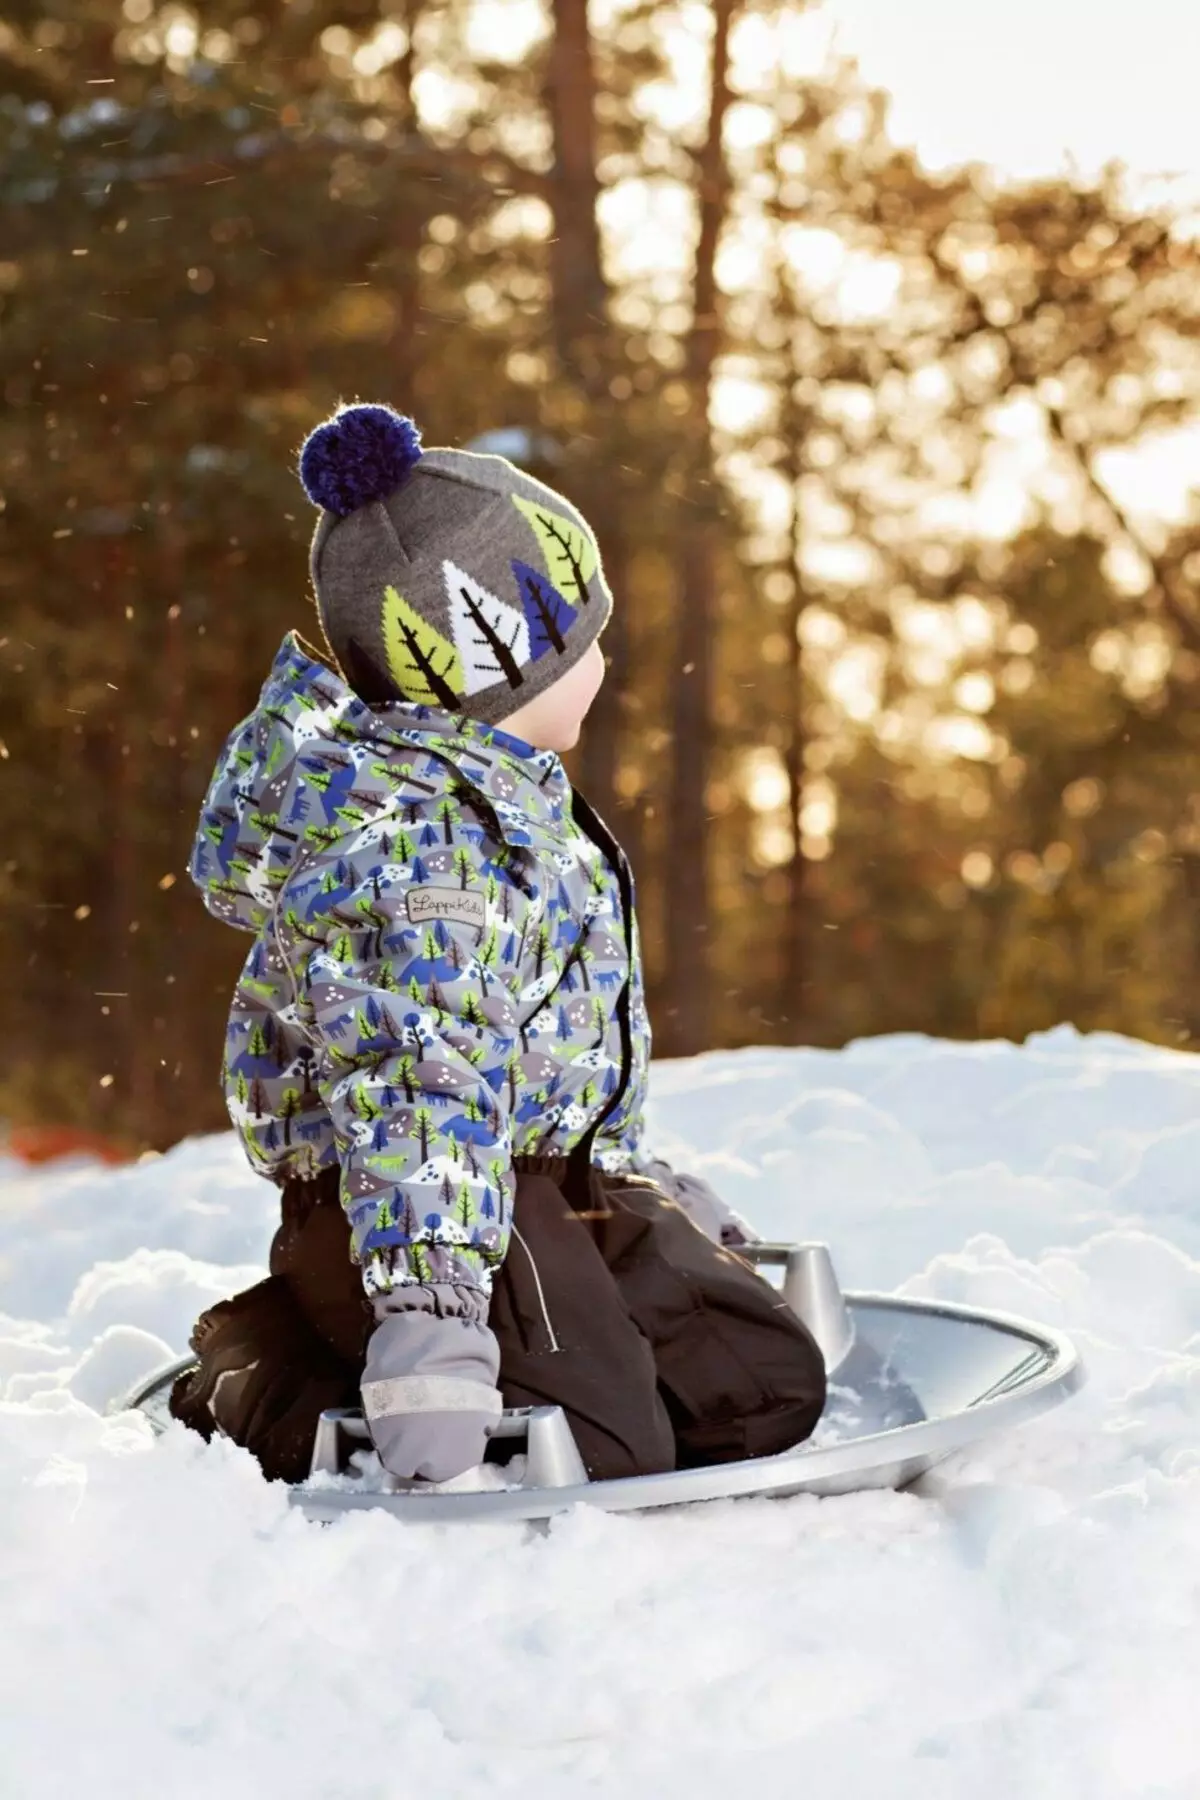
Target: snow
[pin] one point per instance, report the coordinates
(1026, 1623)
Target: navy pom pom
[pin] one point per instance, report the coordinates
(362, 454)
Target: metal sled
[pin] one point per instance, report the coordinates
(910, 1382)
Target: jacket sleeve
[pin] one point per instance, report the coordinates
(414, 1003)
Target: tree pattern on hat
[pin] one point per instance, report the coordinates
(424, 666)
(492, 638)
(547, 614)
(570, 553)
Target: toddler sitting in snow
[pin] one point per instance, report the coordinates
(438, 1045)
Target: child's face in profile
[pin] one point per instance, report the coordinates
(554, 719)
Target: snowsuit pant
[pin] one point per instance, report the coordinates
(664, 1350)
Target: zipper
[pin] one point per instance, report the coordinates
(586, 816)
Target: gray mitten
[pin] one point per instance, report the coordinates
(703, 1205)
(429, 1386)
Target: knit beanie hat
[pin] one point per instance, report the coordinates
(443, 577)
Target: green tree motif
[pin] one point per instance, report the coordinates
(424, 665)
(289, 1106)
(368, 1108)
(406, 1066)
(423, 1122)
(464, 866)
(486, 956)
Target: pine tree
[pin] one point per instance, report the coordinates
(289, 1106)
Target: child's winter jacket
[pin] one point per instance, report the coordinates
(445, 974)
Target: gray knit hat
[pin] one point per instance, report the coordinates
(443, 577)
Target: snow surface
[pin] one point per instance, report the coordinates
(1027, 1624)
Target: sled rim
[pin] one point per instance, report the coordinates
(1050, 1372)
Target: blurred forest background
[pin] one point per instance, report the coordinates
(904, 707)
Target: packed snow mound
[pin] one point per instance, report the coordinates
(1025, 1624)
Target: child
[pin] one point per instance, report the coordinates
(438, 1045)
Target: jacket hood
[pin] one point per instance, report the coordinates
(313, 763)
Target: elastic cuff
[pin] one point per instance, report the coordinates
(400, 1394)
(437, 1300)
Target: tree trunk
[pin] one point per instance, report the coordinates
(796, 937)
(1188, 1006)
(404, 348)
(686, 1013)
(580, 294)
(581, 336)
(795, 421)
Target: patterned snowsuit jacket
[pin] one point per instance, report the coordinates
(444, 972)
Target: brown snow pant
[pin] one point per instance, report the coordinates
(664, 1350)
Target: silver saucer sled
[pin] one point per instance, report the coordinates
(910, 1382)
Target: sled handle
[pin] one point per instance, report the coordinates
(552, 1458)
(811, 1289)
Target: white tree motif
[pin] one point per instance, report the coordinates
(491, 637)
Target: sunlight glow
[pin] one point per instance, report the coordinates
(440, 97)
(387, 45)
(818, 814)
(504, 31)
(740, 404)
(180, 37)
(957, 735)
(856, 679)
(1029, 85)
(763, 779)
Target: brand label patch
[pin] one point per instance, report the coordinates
(425, 904)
